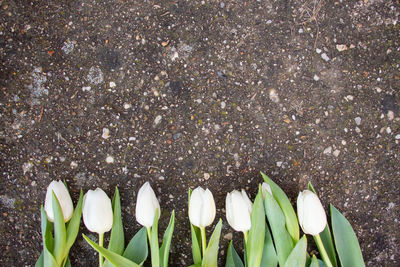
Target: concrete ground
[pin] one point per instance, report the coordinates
(200, 93)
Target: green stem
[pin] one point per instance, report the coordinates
(245, 234)
(148, 229)
(322, 250)
(203, 240)
(101, 239)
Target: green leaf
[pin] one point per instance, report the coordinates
(298, 255)
(196, 240)
(117, 243)
(282, 239)
(112, 257)
(321, 263)
(67, 263)
(345, 240)
(326, 237)
(255, 241)
(154, 248)
(60, 233)
(210, 257)
(196, 246)
(166, 244)
(232, 258)
(48, 242)
(314, 262)
(40, 261)
(73, 225)
(269, 258)
(292, 224)
(137, 250)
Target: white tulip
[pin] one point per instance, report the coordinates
(201, 207)
(63, 197)
(265, 188)
(238, 210)
(311, 213)
(146, 205)
(97, 211)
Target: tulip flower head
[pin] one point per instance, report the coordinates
(146, 205)
(97, 211)
(265, 188)
(311, 213)
(238, 210)
(201, 207)
(63, 197)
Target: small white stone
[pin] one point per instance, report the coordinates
(106, 133)
(206, 176)
(390, 115)
(223, 104)
(26, 167)
(397, 136)
(73, 164)
(357, 120)
(317, 121)
(318, 50)
(349, 98)
(328, 150)
(341, 47)
(358, 130)
(132, 138)
(378, 89)
(110, 159)
(388, 130)
(86, 88)
(279, 163)
(273, 95)
(336, 153)
(161, 178)
(157, 120)
(325, 57)
(112, 84)
(127, 106)
(344, 142)
(316, 77)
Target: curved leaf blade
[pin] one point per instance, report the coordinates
(137, 250)
(269, 258)
(210, 257)
(73, 225)
(291, 222)
(314, 262)
(298, 255)
(117, 241)
(166, 244)
(154, 248)
(112, 257)
(282, 239)
(60, 233)
(232, 258)
(255, 242)
(346, 240)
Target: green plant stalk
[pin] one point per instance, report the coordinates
(101, 239)
(322, 250)
(203, 240)
(245, 235)
(148, 229)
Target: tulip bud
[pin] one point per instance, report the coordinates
(238, 210)
(63, 197)
(97, 211)
(146, 205)
(265, 188)
(201, 207)
(312, 217)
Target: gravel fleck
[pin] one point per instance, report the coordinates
(328, 150)
(357, 120)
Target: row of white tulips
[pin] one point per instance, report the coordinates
(266, 243)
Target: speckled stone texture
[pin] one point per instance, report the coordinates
(187, 93)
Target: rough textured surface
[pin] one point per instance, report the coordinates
(187, 93)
